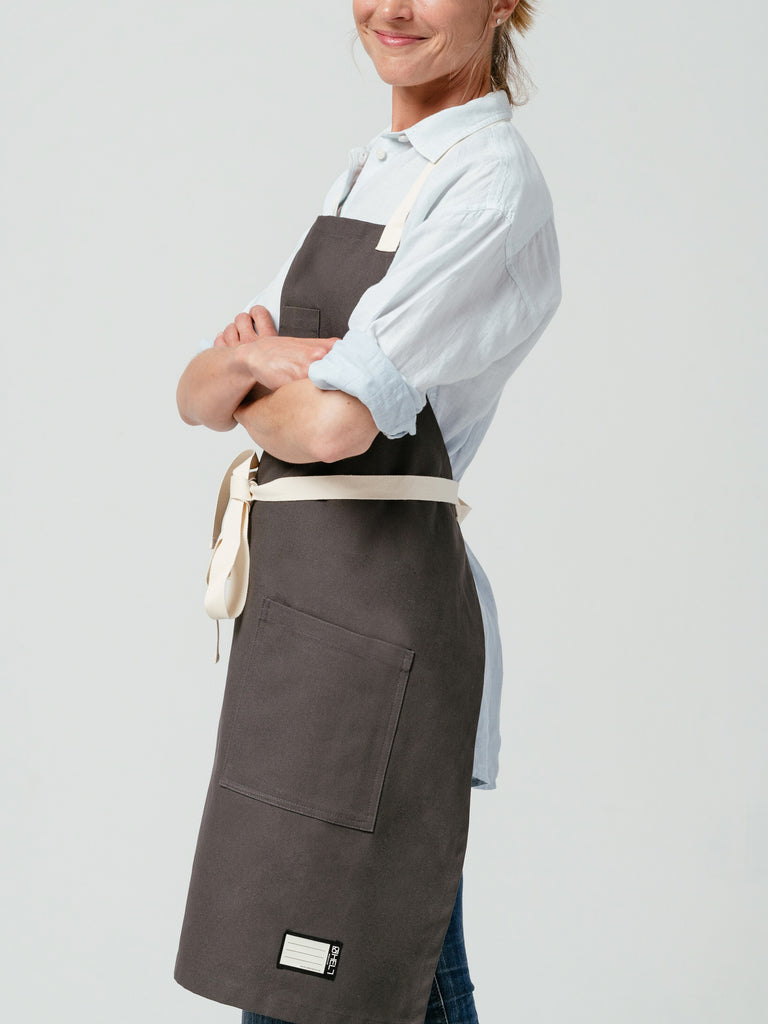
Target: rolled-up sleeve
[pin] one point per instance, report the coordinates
(462, 292)
(358, 366)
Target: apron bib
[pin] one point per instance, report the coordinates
(335, 825)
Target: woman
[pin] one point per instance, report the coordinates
(362, 694)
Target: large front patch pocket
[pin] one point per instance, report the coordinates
(316, 719)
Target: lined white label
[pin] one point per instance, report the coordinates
(309, 955)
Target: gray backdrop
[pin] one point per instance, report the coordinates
(162, 158)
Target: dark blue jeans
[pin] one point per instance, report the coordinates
(451, 999)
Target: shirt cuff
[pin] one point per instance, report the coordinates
(357, 366)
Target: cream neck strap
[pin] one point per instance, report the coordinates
(393, 231)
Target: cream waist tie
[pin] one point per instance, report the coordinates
(228, 570)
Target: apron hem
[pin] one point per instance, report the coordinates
(313, 1014)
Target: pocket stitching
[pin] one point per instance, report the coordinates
(333, 817)
(298, 324)
(269, 603)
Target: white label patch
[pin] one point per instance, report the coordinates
(309, 955)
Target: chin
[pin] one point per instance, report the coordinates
(393, 75)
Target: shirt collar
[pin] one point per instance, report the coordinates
(433, 136)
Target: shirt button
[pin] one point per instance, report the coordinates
(402, 138)
(381, 154)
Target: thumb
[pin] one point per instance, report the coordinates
(262, 318)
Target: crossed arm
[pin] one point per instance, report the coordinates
(253, 377)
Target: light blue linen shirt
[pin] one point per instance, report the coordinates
(475, 281)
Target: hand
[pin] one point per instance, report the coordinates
(275, 361)
(242, 330)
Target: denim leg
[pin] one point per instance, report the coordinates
(451, 999)
(256, 1018)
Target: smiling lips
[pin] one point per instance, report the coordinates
(392, 39)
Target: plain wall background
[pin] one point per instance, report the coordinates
(161, 160)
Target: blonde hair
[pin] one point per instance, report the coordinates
(507, 73)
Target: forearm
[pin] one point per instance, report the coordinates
(213, 386)
(300, 423)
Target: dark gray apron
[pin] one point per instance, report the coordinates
(335, 825)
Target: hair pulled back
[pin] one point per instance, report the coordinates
(507, 73)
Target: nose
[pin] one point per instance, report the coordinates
(397, 10)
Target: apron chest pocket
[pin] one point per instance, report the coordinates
(300, 322)
(316, 718)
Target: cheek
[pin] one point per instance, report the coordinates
(454, 47)
(362, 10)
(469, 20)
(460, 28)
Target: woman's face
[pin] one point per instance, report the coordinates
(416, 42)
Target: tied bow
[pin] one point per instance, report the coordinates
(227, 577)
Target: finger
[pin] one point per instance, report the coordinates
(320, 349)
(265, 325)
(231, 336)
(218, 341)
(244, 324)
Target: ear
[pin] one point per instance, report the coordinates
(502, 11)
